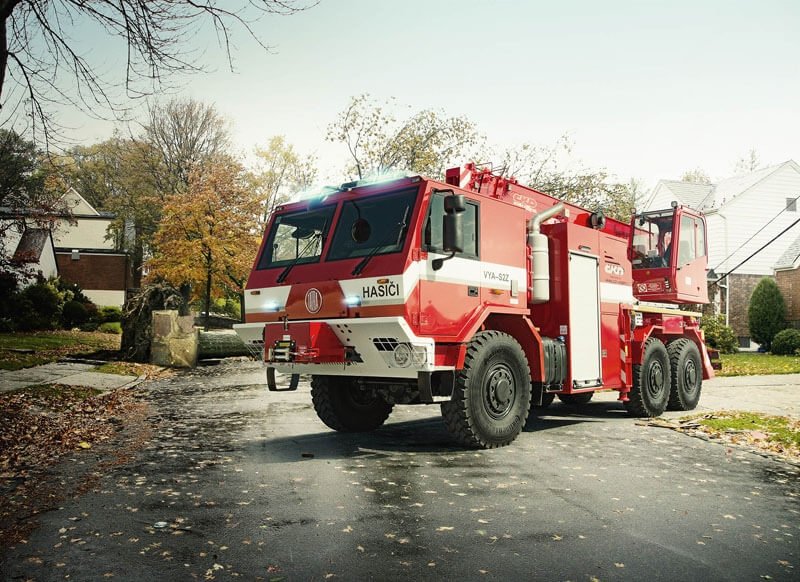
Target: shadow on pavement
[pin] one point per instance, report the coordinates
(423, 436)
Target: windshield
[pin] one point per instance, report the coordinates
(297, 238)
(652, 240)
(372, 226)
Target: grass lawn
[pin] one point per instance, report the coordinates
(49, 346)
(750, 364)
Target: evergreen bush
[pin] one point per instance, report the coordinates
(766, 314)
(786, 342)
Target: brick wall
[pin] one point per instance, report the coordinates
(95, 271)
(789, 284)
(740, 288)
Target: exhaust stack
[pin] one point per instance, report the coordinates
(540, 255)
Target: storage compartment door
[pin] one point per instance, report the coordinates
(584, 321)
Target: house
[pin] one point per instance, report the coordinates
(34, 249)
(86, 255)
(787, 276)
(77, 249)
(752, 220)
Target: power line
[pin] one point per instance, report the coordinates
(754, 235)
(776, 237)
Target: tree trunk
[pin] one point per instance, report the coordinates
(208, 297)
(138, 255)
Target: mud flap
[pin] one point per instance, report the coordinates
(294, 381)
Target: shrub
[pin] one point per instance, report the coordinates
(39, 307)
(108, 314)
(110, 327)
(718, 335)
(74, 314)
(786, 342)
(766, 315)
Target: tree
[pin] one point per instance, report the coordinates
(696, 176)
(44, 66)
(208, 238)
(30, 196)
(280, 172)
(184, 133)
(749, 162)
(116, 175)
(425, 142)
(766, 314)
(541, 167)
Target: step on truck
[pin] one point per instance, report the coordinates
(478, 294)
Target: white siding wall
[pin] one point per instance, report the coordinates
(47, 262)
(103, 298)
(662, 198)
(87, 234)
(748, 213)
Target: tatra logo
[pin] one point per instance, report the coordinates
(614, 269)
(392, 289)
(313, 300)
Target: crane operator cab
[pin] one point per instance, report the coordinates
(669, 256)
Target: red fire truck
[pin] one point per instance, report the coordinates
(480, 294)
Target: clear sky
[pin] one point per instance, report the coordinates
(646, 89)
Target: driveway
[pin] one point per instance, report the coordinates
(238, 483)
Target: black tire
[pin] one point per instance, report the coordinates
(547, 400)
(344, 407)
(492, 393)
(687, 374)
(651, 381)
(576, 399)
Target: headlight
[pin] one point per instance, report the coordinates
(403, 355)
(352, 301)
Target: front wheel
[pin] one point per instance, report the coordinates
(492, 393)
(344, 406)
(651, 381)
(687, 374)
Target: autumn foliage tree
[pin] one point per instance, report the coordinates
(208, 236)
(380, 140)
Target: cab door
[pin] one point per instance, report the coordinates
(690, 257)
(450, 295)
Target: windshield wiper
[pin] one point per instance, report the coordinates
(313, 240)
(402, 224)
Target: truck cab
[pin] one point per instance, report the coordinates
(668, 255)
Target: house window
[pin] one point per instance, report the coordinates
(791, 204)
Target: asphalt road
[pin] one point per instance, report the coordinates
(237, 483)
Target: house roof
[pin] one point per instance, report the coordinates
(688, 193)
(77, 204)
(789, 258)
(707, 197)
(31, 245)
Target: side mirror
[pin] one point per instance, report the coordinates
(452, 227)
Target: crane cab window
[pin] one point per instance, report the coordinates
(692, 242)
(652, 240)
(433, 235)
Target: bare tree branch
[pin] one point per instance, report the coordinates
(41, 52)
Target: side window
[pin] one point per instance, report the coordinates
(687, 246)
(433, 235)
(701, 238)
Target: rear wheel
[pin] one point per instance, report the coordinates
(576, 399)
(344, 406)
(687, 374)
(492, 393)
(651, 381)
